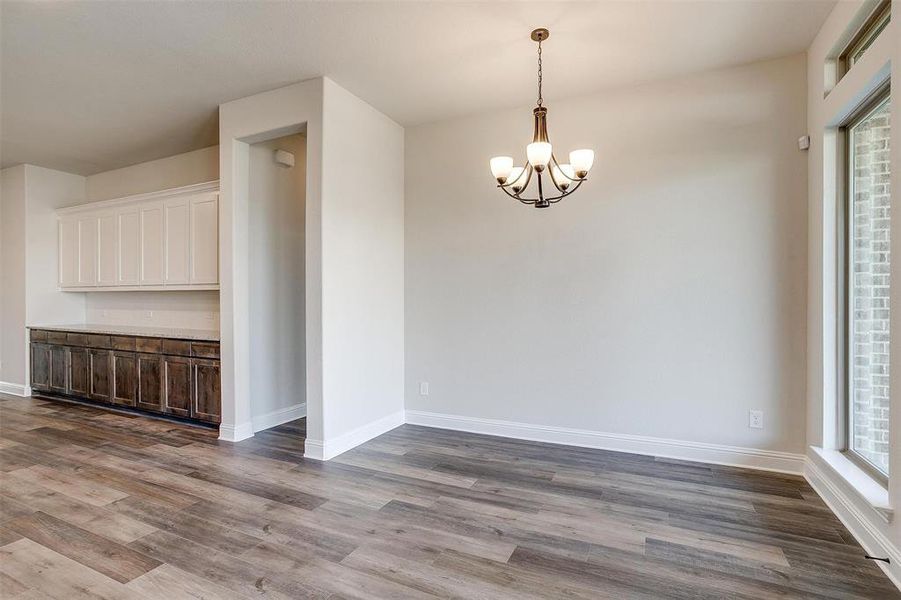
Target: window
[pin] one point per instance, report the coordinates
(878, 21)
(867, 285)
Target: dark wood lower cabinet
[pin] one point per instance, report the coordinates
(99, 375)
(177, 378)
(125, 378)
(79, 373)
(40, 367)
(59, 368)
(206, 395)
(150, 382)
(180, 378)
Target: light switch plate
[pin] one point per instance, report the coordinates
(424, 388)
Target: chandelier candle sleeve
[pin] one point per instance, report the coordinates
(581, 161)
(501, 166)
(517, 179)
(540, 162)
(539, 154)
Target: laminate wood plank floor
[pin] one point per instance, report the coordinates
(97, 504)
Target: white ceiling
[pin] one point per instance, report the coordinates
(91, 86)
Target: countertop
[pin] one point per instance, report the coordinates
(207, 335)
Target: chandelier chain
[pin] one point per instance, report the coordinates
(540, 99)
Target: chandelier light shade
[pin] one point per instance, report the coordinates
(564, 178)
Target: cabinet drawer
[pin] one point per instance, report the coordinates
(177, 347)
(38, 335)
(56, 337)
(97, 341)
(152, 345)
(205, 350)
(77, 339)
(119, 342)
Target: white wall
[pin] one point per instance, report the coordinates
(363, 270)
(198, 166)
(825, 114)
(353, 261)
(242, 122)
(666, 298)
(13, 366)
(183, 309)
(30, 197)
(276, 233)
(47, 190)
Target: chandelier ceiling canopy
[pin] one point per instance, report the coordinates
(564, 178)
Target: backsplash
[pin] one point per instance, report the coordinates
(185, 310)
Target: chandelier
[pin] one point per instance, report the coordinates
(565, 178)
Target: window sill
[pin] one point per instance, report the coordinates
(867, 488)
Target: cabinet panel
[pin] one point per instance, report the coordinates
(40, 367)
(150, 382)
(87, 250)
(128, 232)
(152, 244)
(68, 252)
(58, 369)
(78, 372)
(207, 394)
(205, 239)
(125, 378)
(107, 249)
(177, 381)
(176, 236)
(99, 375)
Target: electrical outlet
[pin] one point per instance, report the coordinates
(149, 315)
(755, 419)
(424, 388)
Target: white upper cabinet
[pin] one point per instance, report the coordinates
(68, 252)
(176, 253)
(152, 244)
(106, 249)
(87, 250)
(167, 240)
(205, 239)
(128, 246)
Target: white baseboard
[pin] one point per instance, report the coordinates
(235, 433)
(853, 513)
(278, 417)
(16, 389)
(753, 458)
(327, 449)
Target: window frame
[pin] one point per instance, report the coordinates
(874, 25)
(869, 105)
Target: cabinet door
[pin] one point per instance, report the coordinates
(205, 238)
(207, 395)
(99, 375)
(87, 251)
(128, 248)
(68, 252)
(58, 369)
(125, 378)
(177, 382)
(150, 382)
(107, 249)
(78, 372)
(40, 367)
(175, 231)
(152, 244)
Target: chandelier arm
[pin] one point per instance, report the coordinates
(563, 195)
(553, 178)
(526, 170)
(515, 197)
(554, 158)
